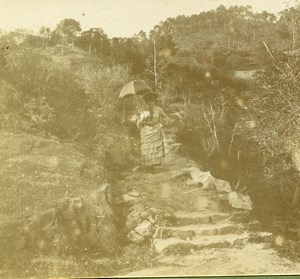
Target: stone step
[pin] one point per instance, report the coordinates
(181, 218)
(191, 231)
(177, 245)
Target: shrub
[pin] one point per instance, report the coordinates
(275, 107)
(78, 100)
(28, 71)
(43, 87)
(210, 125)
(103, 85)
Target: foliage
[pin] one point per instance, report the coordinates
(129, 52)
(46, 90)
(68, 28)
(28, 70)
(160, 51)
(275, 106)
(7, 42)
(193, 84)
(103, 84)
(209, 126)
(59, 100)
(239, 25)
(95, 41)
(289, 21)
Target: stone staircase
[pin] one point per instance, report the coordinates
(198, 220)
(189, 231)
(207, 226)
(198, 232)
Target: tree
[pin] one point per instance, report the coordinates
(222, 16)
(283, 31)
(142, 39)
(45, 34)
(7, 42)
(162, 49)
(67, 29)
(131, 52)
(291, 17)
(18, 36)
(95, 40)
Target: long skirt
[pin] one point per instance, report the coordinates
(153, 145)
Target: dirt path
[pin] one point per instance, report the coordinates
(199, 234)
(252, 259)
(203, 237)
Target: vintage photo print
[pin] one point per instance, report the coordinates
(149, 138)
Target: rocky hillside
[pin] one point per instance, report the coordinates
(196, 224)
(76, 206)
(54, 193)
(62, 214)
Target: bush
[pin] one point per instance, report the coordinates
(44, 87)
(274, 113)
(28, 71)
(275, 107)
(61, 101)
(103, 85)
(209, 127)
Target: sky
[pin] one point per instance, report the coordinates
(118, 18)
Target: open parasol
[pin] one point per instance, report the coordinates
(135, 87)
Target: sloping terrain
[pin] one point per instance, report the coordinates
(44, 184)
(201, 234)
(63, 215)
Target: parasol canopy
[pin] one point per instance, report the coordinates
(135, 87)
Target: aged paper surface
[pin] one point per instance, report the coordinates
(149, 138)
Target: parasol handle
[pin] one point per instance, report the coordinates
(140, 104)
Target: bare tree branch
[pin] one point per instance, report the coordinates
(273, 59)
(150, 71)
(232, 137)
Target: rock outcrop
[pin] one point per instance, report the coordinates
(206, 181)
(84, 224)
(142, 217)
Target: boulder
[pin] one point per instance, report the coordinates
(134, 237)
(131, 197)
(240, 201)
(141, 221)
(222, 186)
(200, 177)
(133, 219)
(145, 228)
(143, 231)
(78, 224)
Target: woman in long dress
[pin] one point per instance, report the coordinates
(153, 140)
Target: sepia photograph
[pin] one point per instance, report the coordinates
(149, 138)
